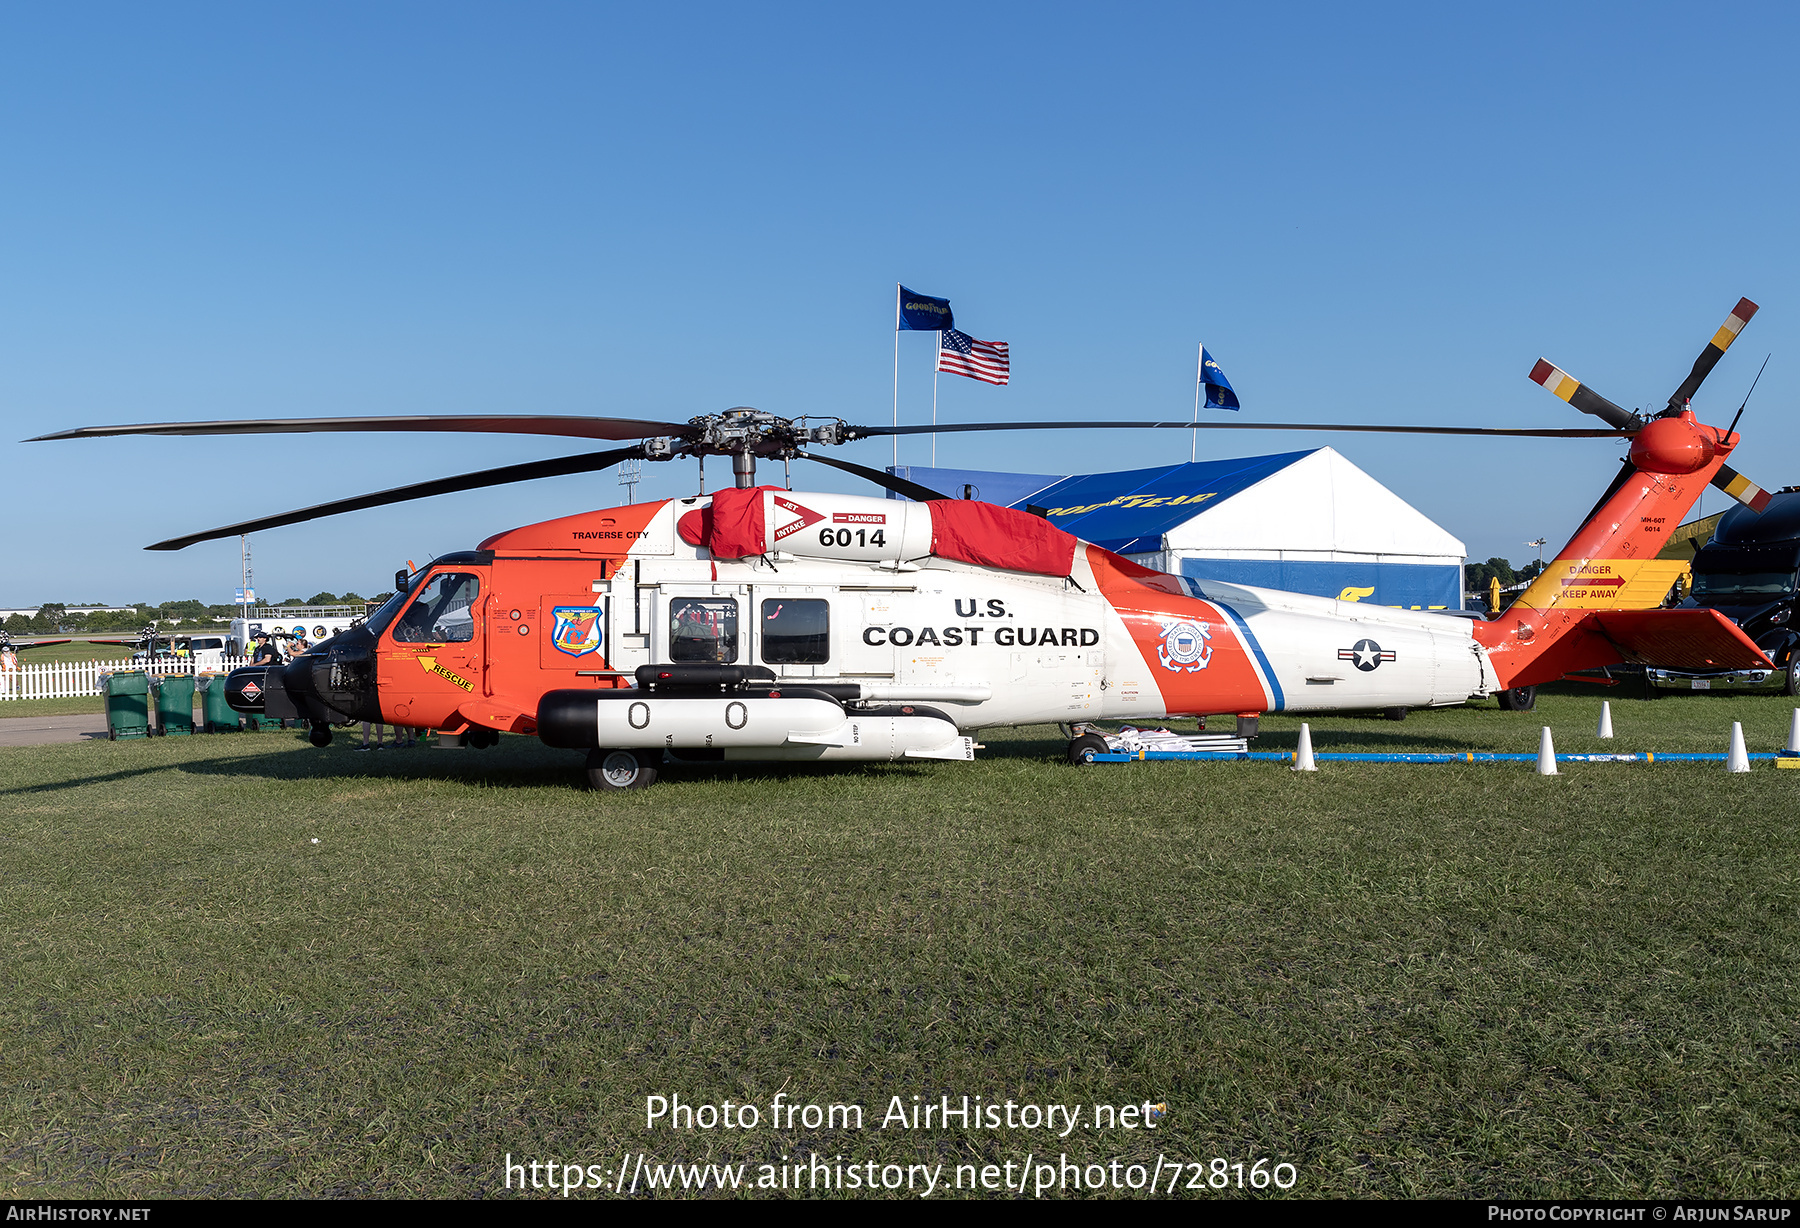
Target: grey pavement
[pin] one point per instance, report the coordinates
(44, 730)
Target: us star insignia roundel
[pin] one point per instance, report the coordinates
(1186, 645)
(1366, 655)
(578, 629)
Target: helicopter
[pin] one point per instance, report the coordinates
(765, 623)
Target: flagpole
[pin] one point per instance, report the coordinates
(934, 375)
(1194, 435)
(896, 373)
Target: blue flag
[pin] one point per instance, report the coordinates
(923, 314)
(1218, 389)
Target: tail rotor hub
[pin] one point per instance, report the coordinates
(1674, 445)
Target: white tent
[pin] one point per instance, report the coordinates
(1309, 522)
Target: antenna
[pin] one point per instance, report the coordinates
(246, 594)
(1753, 383)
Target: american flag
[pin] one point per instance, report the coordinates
(961, 354)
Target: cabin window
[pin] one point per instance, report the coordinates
(443, 613)
(796, 632)
(704, 629)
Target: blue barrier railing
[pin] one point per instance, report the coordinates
(1287, 756)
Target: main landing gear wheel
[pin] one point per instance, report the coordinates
(320, 735)
(1394, 714)
(1083, 749)
(1519, 699)
(609, 770)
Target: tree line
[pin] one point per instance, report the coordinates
(1476, 576)
(54, 618)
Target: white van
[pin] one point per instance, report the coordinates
(207, 649)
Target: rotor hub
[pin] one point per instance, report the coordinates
(746, 431)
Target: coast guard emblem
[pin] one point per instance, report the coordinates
(1186, 645)
(577, 630)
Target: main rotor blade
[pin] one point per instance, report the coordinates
(1715, 350)
(860, 432)
(586, 462)
(900, 486)
(573, 426)
(1578, 394)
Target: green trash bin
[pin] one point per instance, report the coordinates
(127, 705)
(175, 704)
(217, 715)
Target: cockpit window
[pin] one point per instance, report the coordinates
(444, 612)
(384, 613)
(703, 629)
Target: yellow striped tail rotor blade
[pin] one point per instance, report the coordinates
(1741, 488)
(1581, 396)
(1715, 350)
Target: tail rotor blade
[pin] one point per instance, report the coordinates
(1581, 396)
(1741, 488)
(1715, 350)
(586, 462)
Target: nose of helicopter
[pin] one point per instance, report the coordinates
(338, 676)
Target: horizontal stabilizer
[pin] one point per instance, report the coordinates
(1679, 639)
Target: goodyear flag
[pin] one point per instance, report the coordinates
(1218, 389)
(923, 314)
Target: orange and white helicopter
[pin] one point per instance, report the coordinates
(764, 623)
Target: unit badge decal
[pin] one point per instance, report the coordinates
(578, 630)
(1367, 655)
(1186, 645)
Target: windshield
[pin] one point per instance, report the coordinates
(444, 612)
(1745, 586)
(384, 614)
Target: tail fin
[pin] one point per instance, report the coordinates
(1610, 563)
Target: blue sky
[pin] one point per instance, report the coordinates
(1375, 214)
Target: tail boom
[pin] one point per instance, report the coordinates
(1561, 622)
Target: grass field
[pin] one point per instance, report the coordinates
(1403, 981)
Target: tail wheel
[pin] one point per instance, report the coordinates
(611, 770)
(1394, 714)
(1083, 749)
(481, 737)
(1519, 699)
(320, 735)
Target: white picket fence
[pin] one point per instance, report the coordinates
(75, 679)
